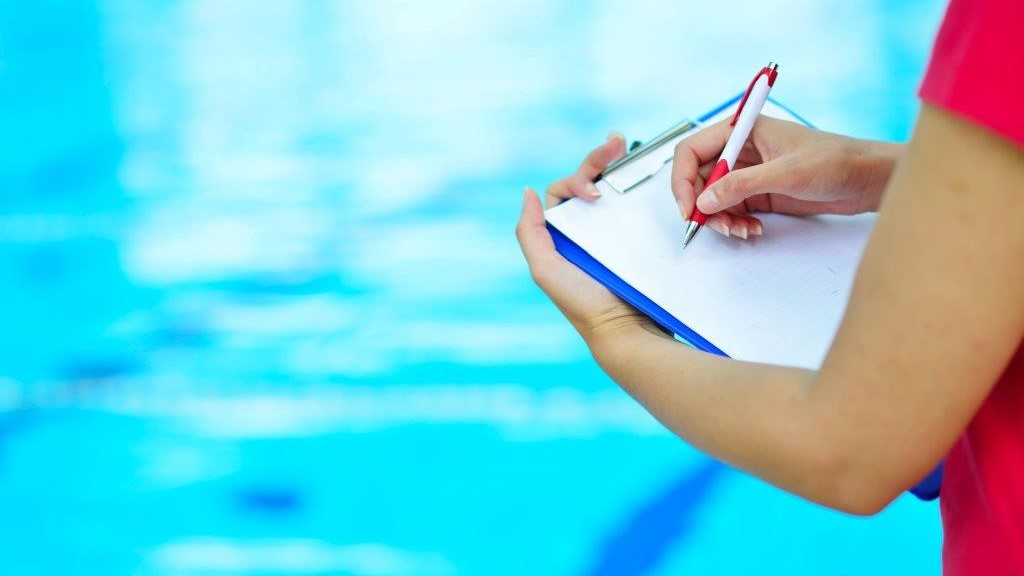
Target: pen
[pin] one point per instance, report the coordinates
(742, 123)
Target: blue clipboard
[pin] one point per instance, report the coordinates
(928, 489)
(578, 256)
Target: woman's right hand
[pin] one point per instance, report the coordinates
(784, 167)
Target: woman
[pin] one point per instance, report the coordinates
(927, 363)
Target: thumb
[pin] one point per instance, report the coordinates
(738, 185)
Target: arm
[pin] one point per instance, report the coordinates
(936, 313)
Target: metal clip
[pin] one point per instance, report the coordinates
(645, 161)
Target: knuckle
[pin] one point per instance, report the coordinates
(730, 186)
(576, 185)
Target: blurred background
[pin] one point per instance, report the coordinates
(262, 311)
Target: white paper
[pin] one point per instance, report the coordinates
(778, 298)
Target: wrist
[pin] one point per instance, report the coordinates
(613, 341)
(870, 164)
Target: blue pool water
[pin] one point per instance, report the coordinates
(263, 313)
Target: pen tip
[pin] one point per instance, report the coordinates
(691, 231)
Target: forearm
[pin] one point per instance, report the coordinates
(755, 417)
(890, 398)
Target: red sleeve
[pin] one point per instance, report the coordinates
(977, 65)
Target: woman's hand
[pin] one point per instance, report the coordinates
(581, 184)
(595, 312)
(784, 167)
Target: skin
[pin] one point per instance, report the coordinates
(936, 312)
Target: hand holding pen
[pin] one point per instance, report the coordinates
(747, 114)
(781, 167)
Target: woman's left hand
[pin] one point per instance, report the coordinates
(590, 307)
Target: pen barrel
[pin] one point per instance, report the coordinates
(721, 169)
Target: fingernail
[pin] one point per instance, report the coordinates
(720, 227)
(593, 190)
(682, 211)
(741, 231)
(616, 134)
(758, 229)
(708, 202)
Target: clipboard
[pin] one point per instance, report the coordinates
(632, 172)
(626, 174)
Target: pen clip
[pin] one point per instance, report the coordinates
(771, 70)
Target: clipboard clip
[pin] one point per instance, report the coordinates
(644, 161)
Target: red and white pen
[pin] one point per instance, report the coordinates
(742, 123)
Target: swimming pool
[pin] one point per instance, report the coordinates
(263, 311)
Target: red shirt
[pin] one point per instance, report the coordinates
(977, 72)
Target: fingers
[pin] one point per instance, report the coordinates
(721, 223)
(739, 225)
(735, 221)
(534, 239)
(570, 187)
(691, 153)
(581, 184)
(746, 226)
(600, 157)
(738, 185)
